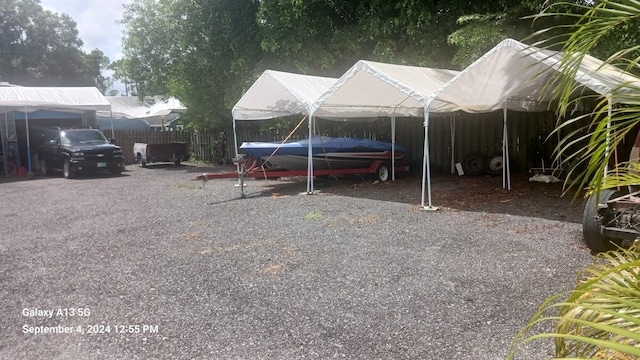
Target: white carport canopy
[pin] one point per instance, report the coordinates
(275, 94)
(373, 89)
(516, 76)
(29, 99)
(52, 98)
(155, 110)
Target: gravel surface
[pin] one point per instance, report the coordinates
(278, 275)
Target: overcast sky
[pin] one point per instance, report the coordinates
(96, 24)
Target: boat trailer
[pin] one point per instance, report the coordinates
(250, 168)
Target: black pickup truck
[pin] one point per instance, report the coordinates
(75, 151)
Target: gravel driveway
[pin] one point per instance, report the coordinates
(175, 270)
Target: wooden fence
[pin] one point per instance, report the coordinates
(207, 146)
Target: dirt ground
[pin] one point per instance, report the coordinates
(484, 194)
(452, 193)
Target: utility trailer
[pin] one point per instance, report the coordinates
(174, 152)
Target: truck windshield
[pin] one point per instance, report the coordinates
(82, 137)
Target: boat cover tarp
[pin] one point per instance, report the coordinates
(16, 98)
(320, 144)
(275, 94)
(370, 89)
(132, 107)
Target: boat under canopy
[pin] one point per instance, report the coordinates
(328, 153)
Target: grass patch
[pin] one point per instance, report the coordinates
(314, 215)
(188, 186)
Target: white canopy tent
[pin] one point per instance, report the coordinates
(155, 110)
(378, 89)
(515, 76)
(275, 94)
(29, 99)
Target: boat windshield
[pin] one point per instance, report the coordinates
(82, 137)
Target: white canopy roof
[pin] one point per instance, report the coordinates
(131, 107)
(277, 94)
(519, 76)
(379, 89)
(53, 98)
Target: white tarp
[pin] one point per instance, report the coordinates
(275, 94)
(518, 76)
(132, 107)
(371, 89)
(52, 98)
(155, 110)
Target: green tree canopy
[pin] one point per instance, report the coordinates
(40, 48)
(207, 53)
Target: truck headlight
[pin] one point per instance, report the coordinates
(77, 155)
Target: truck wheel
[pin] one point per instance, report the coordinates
(591, 232)
(383, 173)
(473, 164)
(67, 171)
(43, 168)
(141, 162)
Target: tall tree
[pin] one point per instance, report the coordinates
(38, 47)
(202, 52)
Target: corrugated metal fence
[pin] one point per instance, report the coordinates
(529, 137)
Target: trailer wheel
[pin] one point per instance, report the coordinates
(473, 164)
(383, 173)
(495, 165)
(141, 162)
(591, 231)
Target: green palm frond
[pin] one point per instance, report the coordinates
(600, 318)
(609, 126)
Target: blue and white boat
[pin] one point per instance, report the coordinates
(328, 153)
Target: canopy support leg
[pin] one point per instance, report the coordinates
(453, 144)
(393, 147)
(26, 119)
(426, 167)
(310, 158)
(506, 171)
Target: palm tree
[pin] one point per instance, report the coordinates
(600, 318)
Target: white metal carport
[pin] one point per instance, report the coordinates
(28, 99)
(276, 94)
(373, 89)
(515, 76)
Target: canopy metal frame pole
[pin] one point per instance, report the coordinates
(111, 116)
(310, 157)
(240, 171)
(453, 144)
(5, 150)
(608, 137)
(426, 167)
(393, 146)
(506, 171)
(235, 138)
(26, 120)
